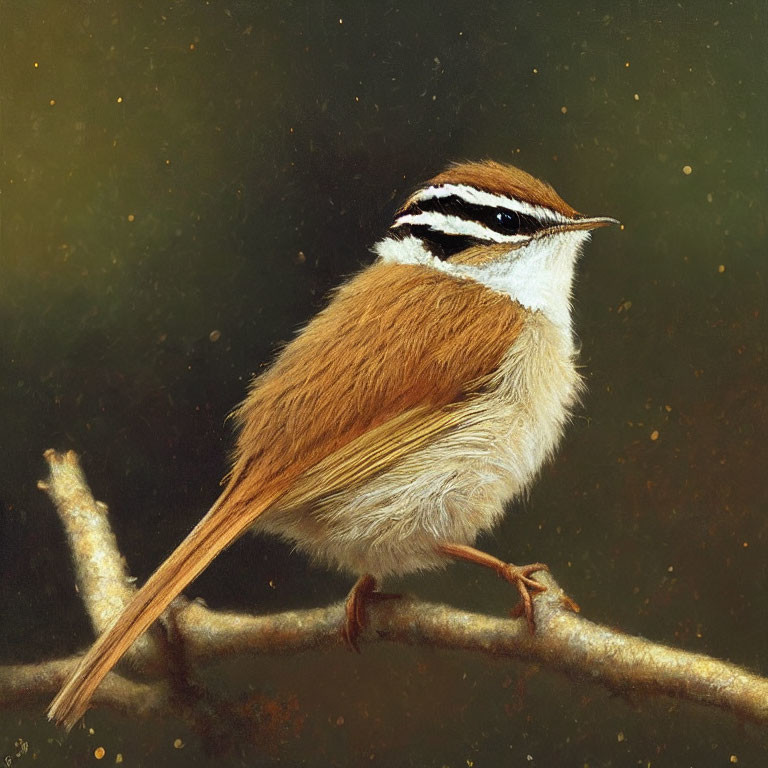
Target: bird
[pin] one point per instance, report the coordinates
(400, 421)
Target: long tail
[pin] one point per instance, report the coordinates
(229, 517)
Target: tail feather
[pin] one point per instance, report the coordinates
(226, 521)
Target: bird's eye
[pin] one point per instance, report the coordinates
(508, 221)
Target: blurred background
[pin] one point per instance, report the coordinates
(183, 182)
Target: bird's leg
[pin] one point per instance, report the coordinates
(363, 592)
(519, 575)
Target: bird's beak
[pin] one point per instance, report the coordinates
(586, 222)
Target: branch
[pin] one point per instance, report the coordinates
(563, 640)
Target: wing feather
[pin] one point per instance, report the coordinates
(371, 454)
(397, 344)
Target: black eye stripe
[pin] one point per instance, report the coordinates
(499, 219)
(439, 244)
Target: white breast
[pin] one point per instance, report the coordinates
(458, 486)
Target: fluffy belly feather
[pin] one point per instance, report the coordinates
(456, 487)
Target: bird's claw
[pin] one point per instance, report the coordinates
(362, 593)
(520, 576)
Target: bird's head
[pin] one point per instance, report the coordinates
(497, 225)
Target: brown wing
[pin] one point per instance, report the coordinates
(397, 342)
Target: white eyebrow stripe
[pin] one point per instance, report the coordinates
(479, 197)
(453, 225)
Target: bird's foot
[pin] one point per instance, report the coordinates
(359, 596)
(520, 576)
(525, 606)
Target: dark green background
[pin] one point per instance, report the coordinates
(261, 148)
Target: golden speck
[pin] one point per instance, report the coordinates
(341, 21)
(655, 434)
(178, 744)
(91, 731)
(167, 162)
(119, 757)
(301, 257)
(670, 569)
(214, 335)
(535, 71)
(99, 752)
(668, 408)
(272, 584)
(721, 268)
(626, 64)
(620, 736)
(119, 99)
(734, 759)
(35, 65)
(636, 97)
(191, 46)
(131, 217)
(52, 102)
(563, 109)
(745, 544)
(687, 170)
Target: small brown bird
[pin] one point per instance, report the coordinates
(394, 428)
